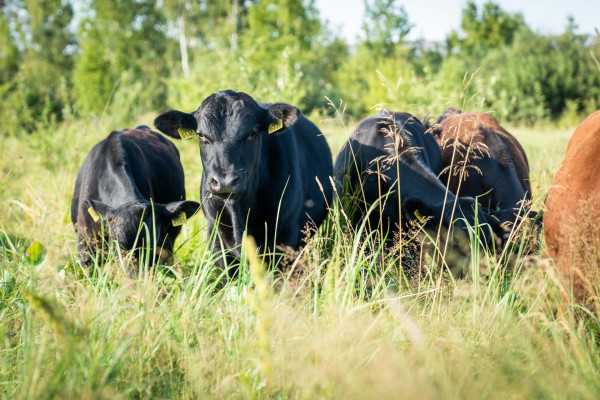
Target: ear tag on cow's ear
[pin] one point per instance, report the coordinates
(179, 220)
(94, 214)
(186, 133)
(419, 216)
(275, 126)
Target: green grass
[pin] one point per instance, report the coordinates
(340, 324)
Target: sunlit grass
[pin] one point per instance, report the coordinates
(338, 323)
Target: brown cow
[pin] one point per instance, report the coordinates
(481, 159)
(572, 216)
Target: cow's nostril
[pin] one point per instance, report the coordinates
(214, 184)
(237, 184)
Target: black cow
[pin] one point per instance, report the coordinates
(261, 166)
(132, 177)
(392, 149)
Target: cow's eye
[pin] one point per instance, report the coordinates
(202, 137)
(252, 135)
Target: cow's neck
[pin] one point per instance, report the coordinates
(231, 226)
(419, 181)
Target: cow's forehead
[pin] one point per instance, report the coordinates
(227, 115)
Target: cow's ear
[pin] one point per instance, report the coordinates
(176, 124)
(414, 208)
(188, 207)
(281, 116)
(97, 209)
(436, 130)
(448, 112)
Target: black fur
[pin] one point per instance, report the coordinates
(398, 142)
(119, 178)
(255, 180)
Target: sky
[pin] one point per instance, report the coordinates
(433, 19)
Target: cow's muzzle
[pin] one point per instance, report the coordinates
(225, 185)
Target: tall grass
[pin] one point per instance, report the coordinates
(342, 321)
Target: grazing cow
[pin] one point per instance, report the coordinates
(262, 164)
(132, 177)
(572, 216)
(388, 150)
(481, 159)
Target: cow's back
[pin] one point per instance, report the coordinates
(389, 136)
(572, 210)
(141, 160)
(154, 164)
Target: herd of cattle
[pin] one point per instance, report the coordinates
(268, 171)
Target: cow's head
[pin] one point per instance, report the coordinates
(466, 213)
(126, 223)
(448, 112)
(231, 128)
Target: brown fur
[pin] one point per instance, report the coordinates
(571, 216)
(494, 162)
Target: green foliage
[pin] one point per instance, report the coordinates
(118, 37)
(385, 26)
(286, 45)
(206, 23)
(283, 53)
(480, 32)
(395, 83)
(41, 43)
(540, 76)
(128, 57)
(9, 53)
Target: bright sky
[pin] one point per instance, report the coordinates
(434, 19)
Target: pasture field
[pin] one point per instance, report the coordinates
(342, 323)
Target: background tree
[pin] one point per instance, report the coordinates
(40, 32)
(385, 26)
(139, 56)
(123, 48)
(380, 71)
(491, 28)
(9, 53)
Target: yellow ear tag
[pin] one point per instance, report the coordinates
(419, 216)
(179, 220)
(186, 133)
(275, 126)
(94, 214)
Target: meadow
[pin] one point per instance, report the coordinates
(343, 322)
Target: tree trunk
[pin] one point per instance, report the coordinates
(183, 47)
(235, 16)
